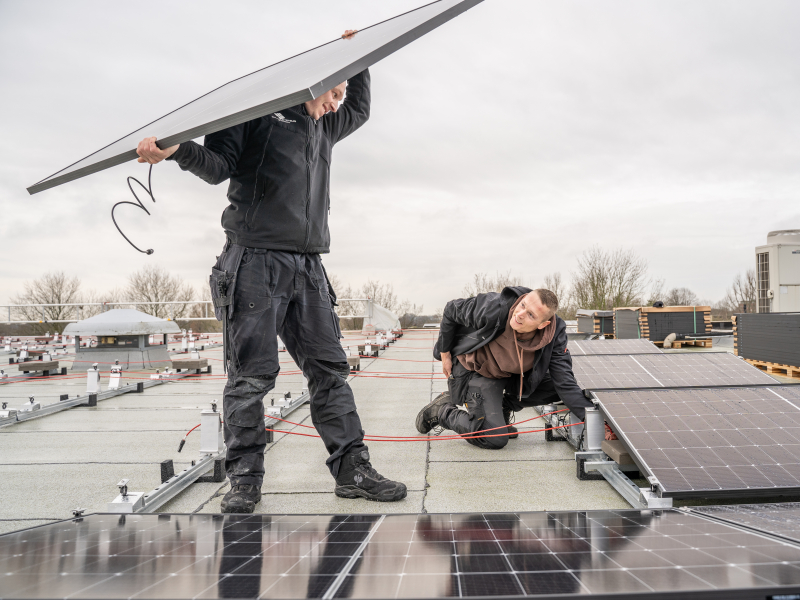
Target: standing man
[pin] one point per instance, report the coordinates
(269, 281)
(501, 352)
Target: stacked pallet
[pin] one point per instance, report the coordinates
(654, 324)
(599, 322)
(769, 341)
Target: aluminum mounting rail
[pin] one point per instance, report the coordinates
(87, 400)
(165, 492)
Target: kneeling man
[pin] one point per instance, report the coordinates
(500, 353)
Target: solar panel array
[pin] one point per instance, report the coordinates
(281, 85)
(394, 556)
(707, 442)
(665, 370)
(591, 347)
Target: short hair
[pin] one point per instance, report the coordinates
(549, 299)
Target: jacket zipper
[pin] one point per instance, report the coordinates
(308, 182)
(248, 220)
(256, 203)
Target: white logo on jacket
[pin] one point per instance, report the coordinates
(283, 119)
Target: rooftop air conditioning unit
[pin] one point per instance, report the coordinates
(778, 272)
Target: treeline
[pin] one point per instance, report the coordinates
(149, 284)
(605, 279)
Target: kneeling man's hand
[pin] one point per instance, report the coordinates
(447, 364)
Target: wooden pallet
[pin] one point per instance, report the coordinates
(775, 369)
(705, 343)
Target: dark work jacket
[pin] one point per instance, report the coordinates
(469, 324)
(279, 171)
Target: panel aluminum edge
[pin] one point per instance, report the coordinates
(268, 107)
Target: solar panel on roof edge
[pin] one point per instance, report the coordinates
(300, 93)
(640, 371)
(663, 474)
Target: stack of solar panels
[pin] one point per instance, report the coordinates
(769, 339)
(599, 322)
(700, 425)
(655, 324)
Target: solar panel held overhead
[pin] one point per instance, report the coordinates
(287, 83)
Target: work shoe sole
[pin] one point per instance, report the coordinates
(390, 495)
(513, 432)
(238, 505)
(441, 399)
(238, 508)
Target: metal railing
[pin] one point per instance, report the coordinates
(106, 306)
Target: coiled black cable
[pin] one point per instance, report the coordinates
(149, 191)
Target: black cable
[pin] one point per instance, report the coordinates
(149, 190)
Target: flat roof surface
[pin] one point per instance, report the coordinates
(52, 465)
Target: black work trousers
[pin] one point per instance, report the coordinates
(281, 293)
(485, 400)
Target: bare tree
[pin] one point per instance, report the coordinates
(483, 282)
(555, 283)
(52, 288)
(682, 296)
(155, 284)
(608, 278)
(656, 292)
(742, 293)
(381, 293)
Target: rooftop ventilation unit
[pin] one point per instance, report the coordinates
(778, 272)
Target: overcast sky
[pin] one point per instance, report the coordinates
(514, 137)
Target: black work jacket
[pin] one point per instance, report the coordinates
(471, 323)
(279, 171)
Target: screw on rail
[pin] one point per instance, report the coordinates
(123, 487)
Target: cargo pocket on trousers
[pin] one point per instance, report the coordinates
(247, 413)
(253, 291)
(336, 325)
(474, 405)
(221, 283)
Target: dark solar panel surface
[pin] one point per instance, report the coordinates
(661, 324)
(430, 555)
(780, 519)
(724, 441)
(665, 370)
(769, 337)
(281, 85)
(591, 347)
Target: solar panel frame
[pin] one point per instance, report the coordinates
(716, 460)
(781, 519)
(611, 347)
(542, 554)
(281, 85)
(675, 370)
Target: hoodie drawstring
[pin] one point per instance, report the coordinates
(520, 351)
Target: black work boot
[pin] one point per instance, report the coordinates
(241, 498)
(357, 479)
(513, 432)
(428, 417)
